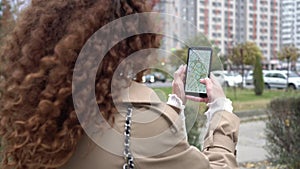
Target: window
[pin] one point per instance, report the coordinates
(268, 75)
(217, 4)
(215, 19)
(278, 75)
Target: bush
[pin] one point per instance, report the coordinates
(258, 80)
(283, 131)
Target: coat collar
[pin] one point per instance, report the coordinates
(139, 93)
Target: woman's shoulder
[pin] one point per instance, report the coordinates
(138, 93)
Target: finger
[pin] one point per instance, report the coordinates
(213, 79)
(177, 72)
(197, 99)
(183, 70)
(206, 81)
(180, 73)
(193, 98)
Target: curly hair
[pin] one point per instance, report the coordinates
(39, 126)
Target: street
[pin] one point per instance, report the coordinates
(159, 84)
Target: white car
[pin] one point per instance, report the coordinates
(149, 78)
(249, 77)
(278, 79)
(228, 79)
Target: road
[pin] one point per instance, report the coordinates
(159, 84)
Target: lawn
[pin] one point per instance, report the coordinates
(243, 99)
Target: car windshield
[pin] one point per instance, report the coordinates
(293, 74)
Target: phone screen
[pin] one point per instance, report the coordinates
(198, 67)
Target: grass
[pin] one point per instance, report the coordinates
(243, 99)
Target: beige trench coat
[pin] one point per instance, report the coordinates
(158, 138)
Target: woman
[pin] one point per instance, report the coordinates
(39, 125)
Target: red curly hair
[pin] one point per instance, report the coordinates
(39, 127)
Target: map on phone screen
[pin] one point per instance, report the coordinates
(198, 68)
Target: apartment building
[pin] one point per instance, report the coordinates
(230, 22)
(216, 19)
(290, 23)
(259, 21)
(183, 9)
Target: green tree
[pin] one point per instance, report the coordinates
(258, 80)
(290, 54)
(245, 54)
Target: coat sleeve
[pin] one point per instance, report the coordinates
(221, 139)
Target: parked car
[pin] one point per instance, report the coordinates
(228, 79)
(249, 77)
(154, 77)
(158, 76)
(149, 78)
(278, 79)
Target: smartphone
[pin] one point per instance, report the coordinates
(198, 67)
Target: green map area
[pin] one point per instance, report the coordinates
(198, 68)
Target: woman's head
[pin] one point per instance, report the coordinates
(39, 127)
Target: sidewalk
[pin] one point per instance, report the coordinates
(252, 115)
(251, 152)
(251, 142)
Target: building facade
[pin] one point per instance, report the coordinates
(290, 23)
(216, 19)
(230, 22)
(259, 21)
(185, 10)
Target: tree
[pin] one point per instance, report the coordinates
(245, 54)
(290, 54)
(258, 80)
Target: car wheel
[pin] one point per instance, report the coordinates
(267, 86)
(291, 86)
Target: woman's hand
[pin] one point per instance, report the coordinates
(178, 83)
(213, 88)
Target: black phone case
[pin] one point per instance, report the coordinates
(203, 95)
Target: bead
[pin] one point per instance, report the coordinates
(129, 164)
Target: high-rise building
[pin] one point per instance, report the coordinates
(186, 11)
(290, 23)
(216, 19)
(229, 22)
(258, 21)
